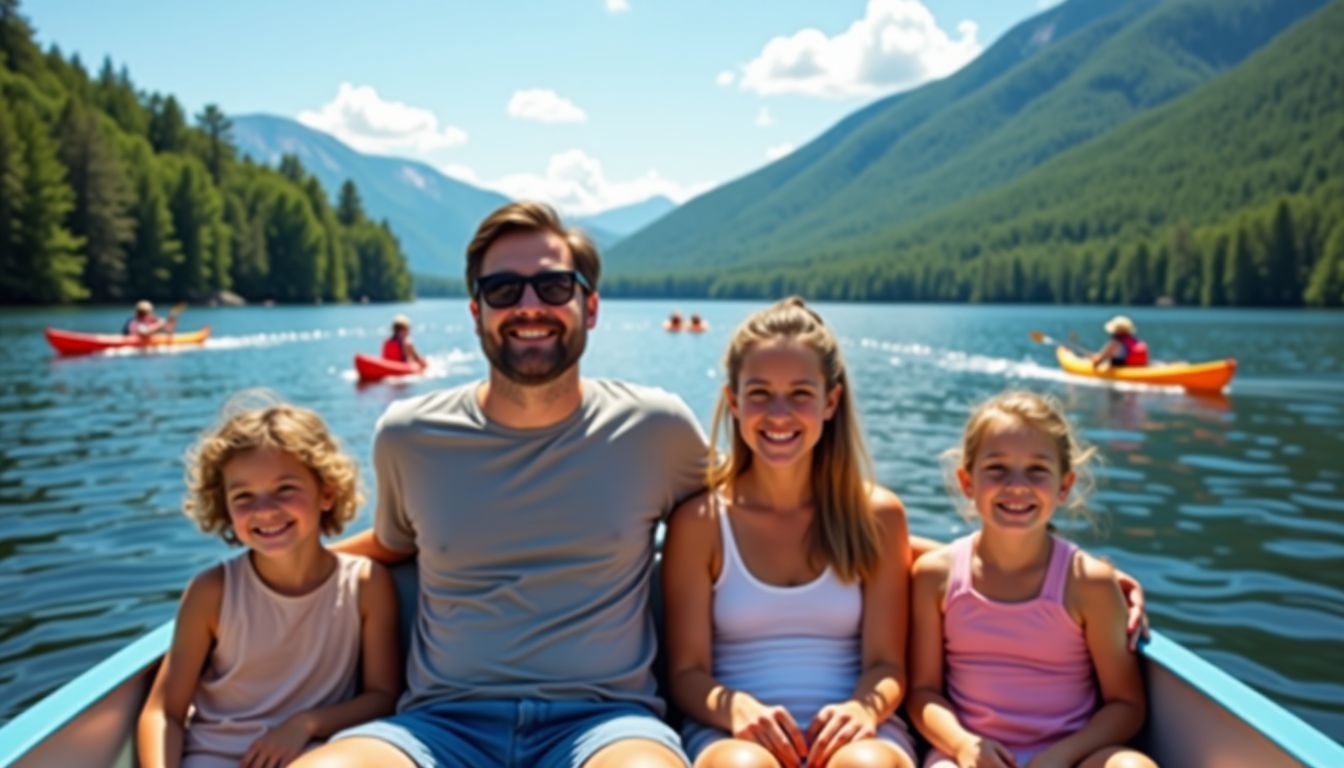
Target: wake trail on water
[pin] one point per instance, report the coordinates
(442, 365)
(958, 361)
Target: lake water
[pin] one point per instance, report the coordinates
(1228, 509)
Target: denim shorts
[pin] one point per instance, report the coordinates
(545, 734)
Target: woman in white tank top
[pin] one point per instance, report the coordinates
(786, 582)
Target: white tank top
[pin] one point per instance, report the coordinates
(796, 647)
(276, 655)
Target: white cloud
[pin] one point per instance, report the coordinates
(778, 151)
(617, 6)
(460, 172)
(575, 183)
(361, 118)
(763, 118)
(725, 78)
(896, 45)
(544, 106)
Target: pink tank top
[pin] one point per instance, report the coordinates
(1016, 672)
(276, 655)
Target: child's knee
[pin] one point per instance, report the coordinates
(1118, 757)
(735, 753)
(870, 753)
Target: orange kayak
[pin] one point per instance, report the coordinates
(373, 368)
(1195, 377)
(72, 343)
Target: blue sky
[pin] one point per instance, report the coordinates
(587, 103)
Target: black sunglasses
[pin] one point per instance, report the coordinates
(505, 289)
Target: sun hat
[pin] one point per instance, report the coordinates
(401, 321)
(1119, 324)
(144, 307)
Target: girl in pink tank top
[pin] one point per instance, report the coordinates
(786, 583)
(1019, 654)
(280, 647)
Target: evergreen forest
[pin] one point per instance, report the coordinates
(110, 194)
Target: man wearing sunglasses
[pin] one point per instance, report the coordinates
(530, 500)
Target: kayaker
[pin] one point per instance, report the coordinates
(145, 323)
(398, 346)
(1123, 349)
(1018, 654)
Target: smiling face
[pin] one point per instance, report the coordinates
(780, 403)
(1015, 480)
(532, 342)
(275, 501)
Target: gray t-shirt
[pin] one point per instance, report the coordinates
(535, 545)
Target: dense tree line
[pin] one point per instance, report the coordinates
(1288, 254)
(108, 194)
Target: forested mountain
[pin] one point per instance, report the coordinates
(108, 194)
(628, 219)
(1094, 136)
(433, 214)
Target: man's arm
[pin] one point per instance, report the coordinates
(366, 543)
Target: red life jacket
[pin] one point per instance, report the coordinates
(393, 349)
(1136, 352)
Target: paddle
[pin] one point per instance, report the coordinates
(1041, 338)
(173, 312)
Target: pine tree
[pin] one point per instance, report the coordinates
(1283, 284)
(250, 266)
(1326, 286)
(1212, 280)
(349, 208)
(18, 52)
(167, 124)
(195, 207)
(103, 197)
(155, 254)
(48, 254)
(294, 246)
(1240, 283)
(114, 94)
(1182, 283)
(13, 172)
(219, 149)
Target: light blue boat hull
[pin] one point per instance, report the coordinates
(1198, 715)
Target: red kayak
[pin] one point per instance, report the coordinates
(72, 343)
(372, 368)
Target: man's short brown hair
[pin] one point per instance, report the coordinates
(530, 216)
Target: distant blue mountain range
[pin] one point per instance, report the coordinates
(433, 215)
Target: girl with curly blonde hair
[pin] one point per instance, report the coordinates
(279, 647)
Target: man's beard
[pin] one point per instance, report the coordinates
(532, 365)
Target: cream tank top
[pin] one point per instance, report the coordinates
(276, 655)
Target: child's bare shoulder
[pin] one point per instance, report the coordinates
(1093, 578)
(209, 582)
(932, 567)
(203, 596)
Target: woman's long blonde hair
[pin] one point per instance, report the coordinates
(845, 533)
